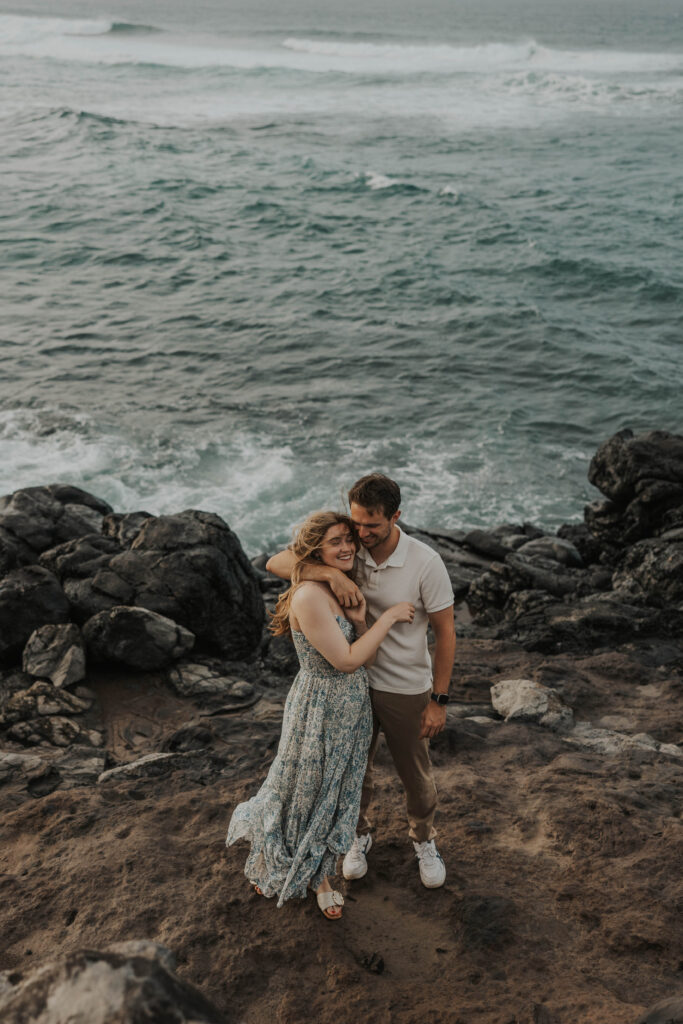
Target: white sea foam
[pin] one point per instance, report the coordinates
(262, 487)
(379, 181)
(244, 479)
(464, 87)
(97, 41)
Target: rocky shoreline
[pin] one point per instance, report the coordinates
(140, 699)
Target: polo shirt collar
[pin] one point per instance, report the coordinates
(396, 558)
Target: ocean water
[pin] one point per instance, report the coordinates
(251, 252)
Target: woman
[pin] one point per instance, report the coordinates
(304, 816)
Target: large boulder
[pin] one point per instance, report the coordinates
(30, 597)
(129, 984)
(36, 518)
(55, 653)
(625, 465)
(136, 637)
(203, 579)
(642, 478)
(188, 567)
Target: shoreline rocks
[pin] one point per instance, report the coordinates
(82, 586)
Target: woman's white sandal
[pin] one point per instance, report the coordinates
(329, 899)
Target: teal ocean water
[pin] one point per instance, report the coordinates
(249, 254)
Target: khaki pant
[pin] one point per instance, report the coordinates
(398, 716)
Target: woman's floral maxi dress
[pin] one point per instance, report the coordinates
(304, 816)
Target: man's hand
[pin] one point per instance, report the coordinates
(356, 615)
(344, 589)
(433, 720)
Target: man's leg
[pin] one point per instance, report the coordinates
(364, 824)
(399, 716)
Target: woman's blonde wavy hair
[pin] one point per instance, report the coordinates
(308, 540)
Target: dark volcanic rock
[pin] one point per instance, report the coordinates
(652, 569)
(40, 517)
(280, 657)
(188, 567)
(541, 624)
(582, 589)
(136, 637)
(30, 597)
(42, 698)
(493, 591)
(124, 987)
(578, 534)
(14, 552)
(80, 558)
(202, 579)
(55, 653)
(623, 466)
(55, 730)
(552, 549)
(486, 543)
(642, 478)
(124, 527)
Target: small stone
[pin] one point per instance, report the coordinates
(526, 700)
(191, 679)
(55, 652)
(241, 689)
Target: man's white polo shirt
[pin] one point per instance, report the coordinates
(415, 573)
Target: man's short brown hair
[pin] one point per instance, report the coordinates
(376, 492)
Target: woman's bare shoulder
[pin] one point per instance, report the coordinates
(308, 593)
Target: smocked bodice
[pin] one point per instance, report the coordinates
(311, 660)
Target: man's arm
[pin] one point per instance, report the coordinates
(343, 588)
(443, 626)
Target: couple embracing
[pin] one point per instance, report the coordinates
(362, 595)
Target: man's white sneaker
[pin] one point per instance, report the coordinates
(355, 865)
(432, 867)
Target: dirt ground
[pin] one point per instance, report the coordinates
(563, 898)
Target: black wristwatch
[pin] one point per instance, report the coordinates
(440, 698)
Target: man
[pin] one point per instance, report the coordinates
(408, 700)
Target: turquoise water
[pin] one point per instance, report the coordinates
(250, 255)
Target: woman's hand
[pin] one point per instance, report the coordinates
(356, 615)
(404, 611)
